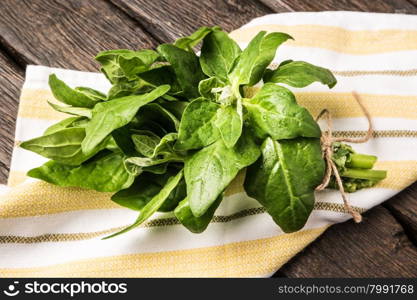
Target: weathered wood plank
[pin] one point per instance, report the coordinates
(167, 20)
(377, 247)
(383, 6)
(11, 80)
(404, 207)
(68, 34)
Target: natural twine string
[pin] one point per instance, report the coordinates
(327, 141)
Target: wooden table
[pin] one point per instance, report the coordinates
(68, 33)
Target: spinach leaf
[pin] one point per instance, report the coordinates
(67, 95)
(164, 117)
(274, 112)
(155, 118)
(195, 224)
(197, 127)
(253, 61)
(300, 74)
(160, 75)
(229, 122)
(186, 67)
(91, 93)
(123, 63)
(154, 204)
(209, 88)
(150, 145)
(284, 178)
(145, 142)
(124, 88)
(123, 141)
(165, 145)
(63, 146)
(210, 170)
(156, 169)
(138, 194)
(151, 161)
(176, 108)
(145, 187)
(77, 111)
(110, 115)
(218, 54)
(66, 123)
(104, 173)
(186, 43)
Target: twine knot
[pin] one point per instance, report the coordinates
(327, 141)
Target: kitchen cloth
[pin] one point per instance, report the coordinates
(51, 231)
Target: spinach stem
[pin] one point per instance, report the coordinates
(361, 161)
(364, 174)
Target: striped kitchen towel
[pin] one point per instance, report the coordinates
(51, 231)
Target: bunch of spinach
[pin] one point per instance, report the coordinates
(176, 128)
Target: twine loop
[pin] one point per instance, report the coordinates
(327, 141)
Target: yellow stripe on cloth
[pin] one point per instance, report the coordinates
(342, 105)
(240, 259)
(337, 38)
(40, 198)
(157, 222)
(34, 104)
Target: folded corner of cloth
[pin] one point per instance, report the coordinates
(51, 231)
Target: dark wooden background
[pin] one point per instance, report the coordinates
(68, 33)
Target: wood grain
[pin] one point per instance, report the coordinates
(11, 80)
(404, 208)
(61, 33)
(167, 20)
(378, 247)
(383, 6)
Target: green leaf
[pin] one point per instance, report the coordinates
(195, 224)
(151, 161)
(124, 88)
(186, 67)
(160, 75)
(207, 88)
(253, 61)
(284, 178)
(91, 93)
(197, 127)
(123, 141)
(156, 169)
(229, 122)
(154, 117)
(146, 142)
(76, 111)
(161, 153)
(186, 43)
(165, 145)
(176, 108)
(210, 170)
(123, 63)
(218, 54)
(67, 95)
(274, 112)
(104, 173)
(63, 146)
(110, 115)
(301, 74)
(138, 194)
(66, 123)
(145, 187)
(154, 204)
(157, 113)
